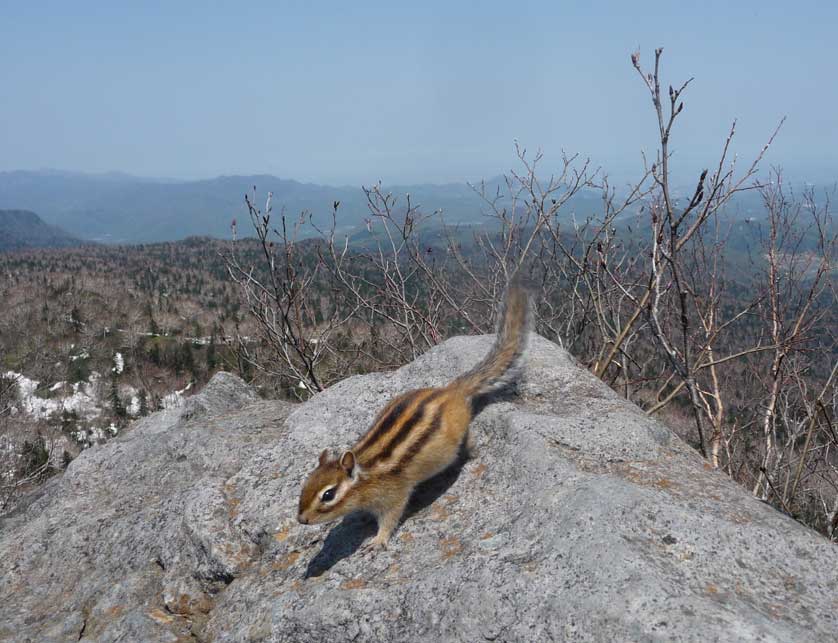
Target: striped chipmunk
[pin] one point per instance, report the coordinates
(416, 436)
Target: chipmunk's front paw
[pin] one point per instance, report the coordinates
(376, 544)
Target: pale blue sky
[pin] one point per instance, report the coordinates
(350, 92)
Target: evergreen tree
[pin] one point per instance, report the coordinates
(154, 353)
(75, 319)
(212, 359)
(153, 328)
(117, 406)
(184, 359)
(143, 398)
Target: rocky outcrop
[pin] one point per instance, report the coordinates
(579, 518)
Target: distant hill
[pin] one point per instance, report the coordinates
(118, 208)
(24, 229)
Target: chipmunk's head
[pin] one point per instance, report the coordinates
(326, 493)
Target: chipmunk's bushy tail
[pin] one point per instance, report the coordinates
(509, 345)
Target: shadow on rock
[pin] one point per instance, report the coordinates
(507, 392)
(342, 541)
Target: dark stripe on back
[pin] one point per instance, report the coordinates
(384, 424)
(405, 429)
(417, 446)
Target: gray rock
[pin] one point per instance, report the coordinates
(579, 518)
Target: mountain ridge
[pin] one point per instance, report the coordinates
(120, 208)
(24, 229)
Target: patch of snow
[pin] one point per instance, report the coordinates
(130, 393)
(174, 400)
(83, 399)
(171, 401)
(118, 363)
(133, 408)
(82, 355)
(56, 386)
(94, 434)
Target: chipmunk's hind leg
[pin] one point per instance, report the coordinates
(468, 448)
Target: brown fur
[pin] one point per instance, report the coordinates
(416, 436)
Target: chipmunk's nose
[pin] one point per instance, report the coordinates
(303, 520)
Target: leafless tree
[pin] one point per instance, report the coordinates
(796, 280)
(287, 298)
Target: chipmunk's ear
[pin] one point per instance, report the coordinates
(347, 462)
(324, 457)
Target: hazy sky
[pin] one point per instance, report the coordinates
(351, 92)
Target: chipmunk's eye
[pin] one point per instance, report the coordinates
(328, 495)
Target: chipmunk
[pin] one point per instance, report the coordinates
(416, 436)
